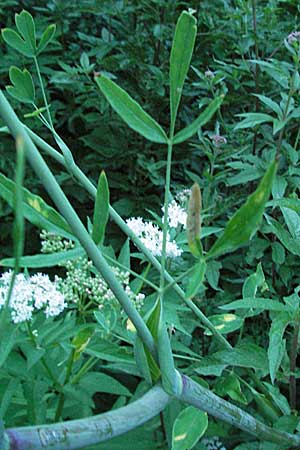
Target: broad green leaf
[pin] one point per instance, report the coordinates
(22, 87)
(203, 118)
(189, 427)
(100, 382)
(47, 37)
(253, 119)
(245, 221)
(253, 282)
(181, 54)
(230, 385)
(277, 343)
(131, 112)
(291, 244)
(35, 209)
(265, 304)
(81, 340)
(271, 104)
(15, 41)
(196, 279)
(213, 274)
(106, 319)
(292, 203)
(244, 354)
(101, 209)
(44, 259)
(292, 220)
(225, 323)
(278, 253)
(26, 27)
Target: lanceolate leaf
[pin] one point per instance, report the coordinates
(44, 260)
(277, 343)
(131, 112)
(245, 221)
(203, 118)
(101, 209)
(181, 54)
(47, 37)
(35, 209)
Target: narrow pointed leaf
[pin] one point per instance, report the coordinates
(36, 209)
(15, 41)
(189, 427)
(203, 118)
(277, 343)
(253, 119)
(245, 221)
(196, 279)
(26, 28)
(181, 54)
(171, 379)
(130, 111)
(101, 209)
(47, 37)
(44, 259)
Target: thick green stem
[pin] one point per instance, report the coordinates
(91, 189)
(78, 228)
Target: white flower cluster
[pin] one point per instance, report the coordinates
(81, 286)
(29, 294)
(213, 443)
(152, 236)
(52, 242)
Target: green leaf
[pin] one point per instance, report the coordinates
(230, 385)
(181, 54)
(131, 112)
(253, 282)
(15, 41)
(225, 323)
(101, 209)
(244, 354)
(291, 244)
(124, 256)
(245, 221)
(81, 340)
(277, 343)
(203, 118)
(44, 260)
(292, 220)
(35, 209)
(100, 382)
(189, 426)
(264, 304)
(196, 279)
(253, 119)
(271, 104)
(46, 38)
(26, 27)
(23, 87)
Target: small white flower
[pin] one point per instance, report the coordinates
(176, 215)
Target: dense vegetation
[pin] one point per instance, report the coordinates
(233, 319)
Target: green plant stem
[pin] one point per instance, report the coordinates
(61, 399)
(84, 369)
(64, 206)
(91, 189)
(43, 90)
(165, 224)
(55, 382)
(293, 357)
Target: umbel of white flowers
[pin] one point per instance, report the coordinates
(31, 294)
(152, 236)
